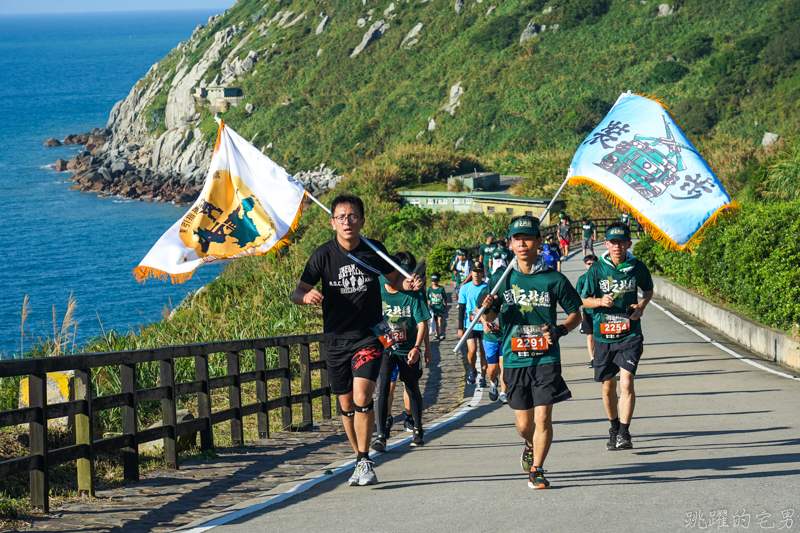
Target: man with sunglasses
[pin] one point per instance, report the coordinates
(353, 324)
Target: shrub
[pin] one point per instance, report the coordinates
(497, 34)
(668, 72)
(694, 46)
(582, 12)
(695, 116)
(439, 259)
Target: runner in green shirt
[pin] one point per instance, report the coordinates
(437, 302)
(587, 326)
(589, 236)
(486, 251)
(408, 317)
(526, 306)
(610, 290)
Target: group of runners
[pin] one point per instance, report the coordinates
(376, 322)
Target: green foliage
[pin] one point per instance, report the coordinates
(695, 116)
(748, 260)
(439, 260)
(582, 12)
(668, 72)
(497, 34)
(694, 46)
(778, 178)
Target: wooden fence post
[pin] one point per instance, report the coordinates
(305, 383)
(169, 415)
(286, 385)
(204, 401)
(39, 477)
(261, 393)
(130, 451)
(235, 399)
(324, 382)
(84, 432)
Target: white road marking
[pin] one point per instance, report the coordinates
(720, 346)
(307, 484)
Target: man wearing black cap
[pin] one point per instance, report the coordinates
(611, 290)
(486, 251)
(526, 306)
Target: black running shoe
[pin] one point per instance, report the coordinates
(612, 440)
(526, 461)
(379, 444)
(536, 479)
(591, 363)
(418, 439)
(409, 423)
(624, 441)
(389, 423)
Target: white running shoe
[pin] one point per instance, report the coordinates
(367, 475)
(493, 392)
(503, 397)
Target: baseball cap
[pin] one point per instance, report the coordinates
(477, 266)
(523, 225)
(545, 247)
(490, 235)
(459, 252)
(434, 277)
(496, 254)
(623, 234)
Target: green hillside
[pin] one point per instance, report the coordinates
(728, 70)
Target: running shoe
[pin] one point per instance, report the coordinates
(503, 397)
(367, 473)
(442, 337)
(612, 440)
(591, 363)
(409, 423)
(389, 423)
(436, 336)
(353, 481)
(624, 441)
(418, 440)
(379, 444)
(536, 479)
(472, 377)
(482, 383)
(526, 461)
(493, 392)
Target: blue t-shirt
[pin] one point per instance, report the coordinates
(468, 294)
(550, 256)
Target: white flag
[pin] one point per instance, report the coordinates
(249, 205)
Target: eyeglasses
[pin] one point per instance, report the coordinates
(342, 218)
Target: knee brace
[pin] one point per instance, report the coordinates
(365, 408)
(348, 414)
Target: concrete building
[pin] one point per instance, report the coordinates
(482, 202)
(480, 181)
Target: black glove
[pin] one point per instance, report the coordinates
(556, 332)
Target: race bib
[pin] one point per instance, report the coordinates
(528, 341)
(385, 334)
(399, 331)
(614, 327)
(492, 327)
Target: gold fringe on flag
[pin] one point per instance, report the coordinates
(142, 273)
(649, 226)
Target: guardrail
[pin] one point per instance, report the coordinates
(86, 404)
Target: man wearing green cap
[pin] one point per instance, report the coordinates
(611, 290)
(437, 302)
(460, 268)
(486, 251)
(526, 307)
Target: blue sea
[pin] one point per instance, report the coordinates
(61, 75)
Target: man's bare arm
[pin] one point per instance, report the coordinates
(305, 294)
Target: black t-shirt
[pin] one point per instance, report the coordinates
(351, 291)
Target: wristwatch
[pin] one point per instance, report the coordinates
(418, 348)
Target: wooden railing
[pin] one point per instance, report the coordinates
(85, 405)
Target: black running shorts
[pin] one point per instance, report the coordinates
(609, 357)
(406, 372)
(346, 359)
(474, 334)
(535, 385)
(587, 324)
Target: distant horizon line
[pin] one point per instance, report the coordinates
(149, 10)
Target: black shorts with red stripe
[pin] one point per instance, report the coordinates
(349, 358)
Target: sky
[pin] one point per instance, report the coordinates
(15, 7)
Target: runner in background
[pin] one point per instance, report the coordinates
(587, 326)
(460, 270)
(493, 348)
(437, 302)
(564, 235)
(554, 246)
(497, 262)
(551, 257)
(467, 303)
(589, 236)
(486, 250)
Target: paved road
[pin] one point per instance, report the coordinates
(714, 437)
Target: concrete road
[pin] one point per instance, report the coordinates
(716, 446)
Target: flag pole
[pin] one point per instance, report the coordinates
(505, 275)
(366, 241)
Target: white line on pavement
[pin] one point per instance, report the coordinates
(720, 346)
(307, 484)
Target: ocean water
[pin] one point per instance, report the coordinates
(62, 75)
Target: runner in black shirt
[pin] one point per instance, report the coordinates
(352, 317)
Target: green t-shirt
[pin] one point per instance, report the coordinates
(625, 218)
(604, 278)
(437, 298)
(588, 230)
(404, 310)
(486, 250)
(526, 302)
(579, 287)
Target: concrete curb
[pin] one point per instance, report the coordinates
(772, 344)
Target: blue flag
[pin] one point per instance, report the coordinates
(640, 157)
